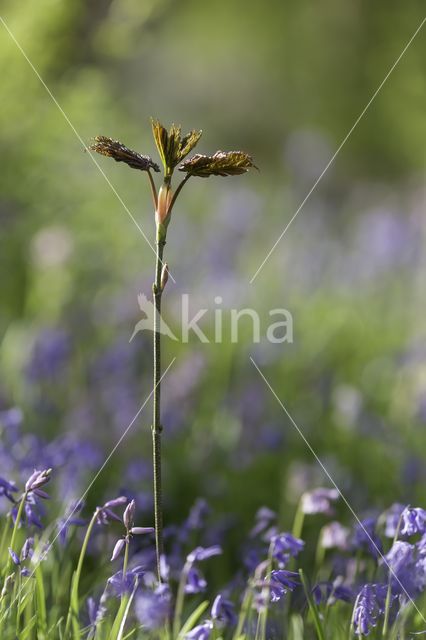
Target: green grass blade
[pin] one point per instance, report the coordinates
(41, 604)
(193, 619)
(312, 607)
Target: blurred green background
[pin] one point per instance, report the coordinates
(284, 81)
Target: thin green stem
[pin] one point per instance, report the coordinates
(73, 609)
(153, 189)
(180, 597)
(126, 557)
(156, 421)
(389, 589)
(178, 190)
(16, 527)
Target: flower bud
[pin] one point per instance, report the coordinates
(37, 479)
(129, 515)
(162, 214)
(7, 586)
(118, 548)
(115, 502)
(139, 531)
(27, 548)
(14, 556)
(164, 275)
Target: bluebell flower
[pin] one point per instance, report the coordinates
(280, 582)
(7, 488)
(252, 558)
(153, 608)
(70, 519)
(334, 536)
(319, 501)
(121, 585)
(407, 563)
(92, 609)
(195, 581)
(27, 549)
(37, 480)
(14, 556)
(203, 553)
(285, 546)
(365, 537)
(223, 611)
(104, 514)
(201, 632)
(413, 520)
(369, 607)
(392, 518)
(197, 515)
(330, 592)
(264, 518)
(32, 512)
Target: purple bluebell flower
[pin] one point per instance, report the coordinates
(252, 558)
(280, 582)
(104, 514)
(7, 488)
(14, 556)
(264, 518)
(153, 608)
(37, 480)
(26, 573)
(392, 518)
(70, 519)
(92, 609)
(197, 515)
(125, 584)
(369, 606)
(285, 546)
(164, 568)
(330, 592)
(319, 501)
(413, 520)
(201, 632)
(32, 513)
(365, 537)
(223, 612)
(195, 581)
(203, 553)
(407, 565)
(334, 536)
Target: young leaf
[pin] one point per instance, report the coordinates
(222, 163)
(120, 153)
(172, 147)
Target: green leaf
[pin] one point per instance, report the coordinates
(312, 607)
(172, 147)
(41, 602)
(296, 627)
(193, 619)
